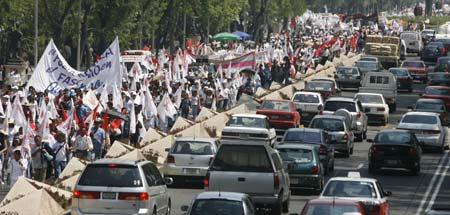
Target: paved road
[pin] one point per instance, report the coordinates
(430, 187)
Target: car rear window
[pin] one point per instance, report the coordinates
(332, 209)
(374, 79)
(393, 137)
(370, 99)
(413, 64)
(336, 105)
(313, 85)
(367, 65)
(306, 98)
(251, 122)
(399, 72)
(421, 119)
(328, 124)
(347, 71)
(302, 136)
(430, 106)
(276, 105)
(192, 147)
(437, 91)
(110, 175)
(216, 207)
(350, 189)
(297, 155)
(242, 159)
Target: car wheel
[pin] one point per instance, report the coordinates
(277, 208)
(286, 205)
(154, 211)
(416, 169)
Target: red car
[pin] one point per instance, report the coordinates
(325, 88)
(282, 114)
(325, 206)
(438, 92)
(417, 69)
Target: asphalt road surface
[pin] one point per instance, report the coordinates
(411, 194)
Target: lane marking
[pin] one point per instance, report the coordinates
(430, 186)
(438, 187)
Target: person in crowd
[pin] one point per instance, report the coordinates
(185, 105)
(39, 159)
(61, 149)
(195, 104)
(98, 136)
(17, 167)
(83, 144)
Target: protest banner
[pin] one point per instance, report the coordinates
(53, 73)
(245, 61)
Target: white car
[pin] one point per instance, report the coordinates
(254, 128)
(365, 190)
(310, 104)
(375, 107)
(427, 127)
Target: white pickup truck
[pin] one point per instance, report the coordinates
(254, 128)
(384, 83)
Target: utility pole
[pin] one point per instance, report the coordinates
(36, 33)
(79, 37)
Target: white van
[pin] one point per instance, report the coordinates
(384, 83)
(413, 41)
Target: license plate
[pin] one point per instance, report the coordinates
(243, 136)
(275, 117)
(350, 77)
(391, 162)
(108, 195)
(190, 171)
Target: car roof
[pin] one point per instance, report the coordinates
(422, 113)
(295, 146)
(430, 100)
(335, 201)
(118, 161)
(307, 92)
(329, 117)
(398, 68)
(250, 115)
(323, 78)
(320, 81)
(315, 130)
(222, 195)
(344, 99)
(372, 180)
(201, 139)
(369, 94)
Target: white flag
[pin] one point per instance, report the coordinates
(150, 107)
(166, 108)
(117, 98)
(132, 119)
(43, 112)
(136, 70)
(91, 101)
(104, 97)
(17, 113)
(2, 112)
(44, 127)
(52, 109)
(66, 126)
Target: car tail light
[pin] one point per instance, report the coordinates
(170, 159)
(380, 109)
(373, 149)
(431, 131)
(412, 151)
(322, 150)
(345, 137)
(358, 115)
(276, 181)
(206, 180)
(315, 169)
(133, 196)
(376, 209)
(86, 194)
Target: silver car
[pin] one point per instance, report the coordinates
(339, 129)
(356, 109)
(427, 127)
(115, 186)
(220, 203)
(189, 158)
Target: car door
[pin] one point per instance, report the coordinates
(156, 187)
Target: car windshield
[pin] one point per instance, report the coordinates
(347, 71)
(328, 124)
(336, 105)
(216, 207)
(413, 64)
(110, 175)
(393, 137)
(315, 85)
(252, 122)
(192, 147)
(420, 119)
(276, 105)
(399, 72)
(306, 98)
(430, 106)
(332, 209)
(302, 136)
(367, 65)
(437, 91)
(359, 189)
(296, 155)
(242, 159)
(370, 99)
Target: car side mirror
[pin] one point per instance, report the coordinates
(184, 208)
(388, 193)
(167, 149)
(369, 140)
(168, 181)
